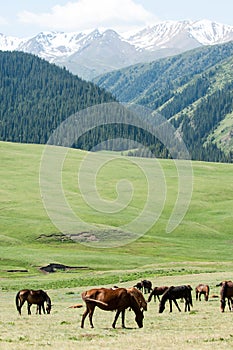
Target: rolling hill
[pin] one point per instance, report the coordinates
(193, 90)
(29, 239)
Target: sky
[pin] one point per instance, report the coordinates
(26, 18)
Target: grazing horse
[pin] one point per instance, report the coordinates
(139, 298)
(173, 293)
(38, 297)
(139, 286)
(156, 292)
(112, 299)
(202, 289)
(144, 285)
(226, 292)
(147, 285)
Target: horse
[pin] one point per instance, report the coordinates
(38, 297)
(112, 299)
(147, 285)
(144, 284)
(139, 286)
(202, 289)
(139, 297)
(156, 292)
(173, 293)
(226, 292)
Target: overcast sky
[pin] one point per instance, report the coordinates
(28, 17)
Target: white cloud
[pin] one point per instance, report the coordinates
(120, 15)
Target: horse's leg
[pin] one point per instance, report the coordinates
(175, 302)
(91, 312)
(231, 300)
(43, 308)
(29, 308)
(86, 312)
(170, 302)
(116, 317)
(123, 318)
(229, 303)
(187, 305)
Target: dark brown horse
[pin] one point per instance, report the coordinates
(226, 292)
(112, 299)
(144, 285)
(178, 292)
(156, 292)
(202, 289)
(38, 297)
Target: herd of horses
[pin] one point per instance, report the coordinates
(119, 299)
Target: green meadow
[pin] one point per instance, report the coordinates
(29, 239)
(198, 250)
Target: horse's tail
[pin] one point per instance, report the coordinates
(17, 302)
(98, 302)
(223, 292)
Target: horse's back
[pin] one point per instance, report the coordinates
(113, 298)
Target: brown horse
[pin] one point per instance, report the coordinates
(173, 293)
(226, 292)
(138, 297)
(118, 299)
(202, 289)
(38, 297)
(156, 292)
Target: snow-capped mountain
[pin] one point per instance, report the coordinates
(165, 34)
(89, 54)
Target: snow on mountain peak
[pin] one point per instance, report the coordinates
(77, 49)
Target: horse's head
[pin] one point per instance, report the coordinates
(161, 307)
(139, 318)
(48, 307)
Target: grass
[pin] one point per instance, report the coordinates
(199, 250)
(205, 327)
(29, 239)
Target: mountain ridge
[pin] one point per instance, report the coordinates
(80, 52)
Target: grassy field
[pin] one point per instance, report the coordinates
(204, 327)
(29, 240)
(198, 250)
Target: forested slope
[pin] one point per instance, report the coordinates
(37, 96)
(193, 90)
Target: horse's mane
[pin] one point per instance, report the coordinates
(166, 296)
(138, 297)
(134, 302)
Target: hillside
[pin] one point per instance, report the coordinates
(193, 90)
(29, 238)
(37, 96)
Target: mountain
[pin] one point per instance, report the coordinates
(89, 54)
(193, 90)
(37, 96)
